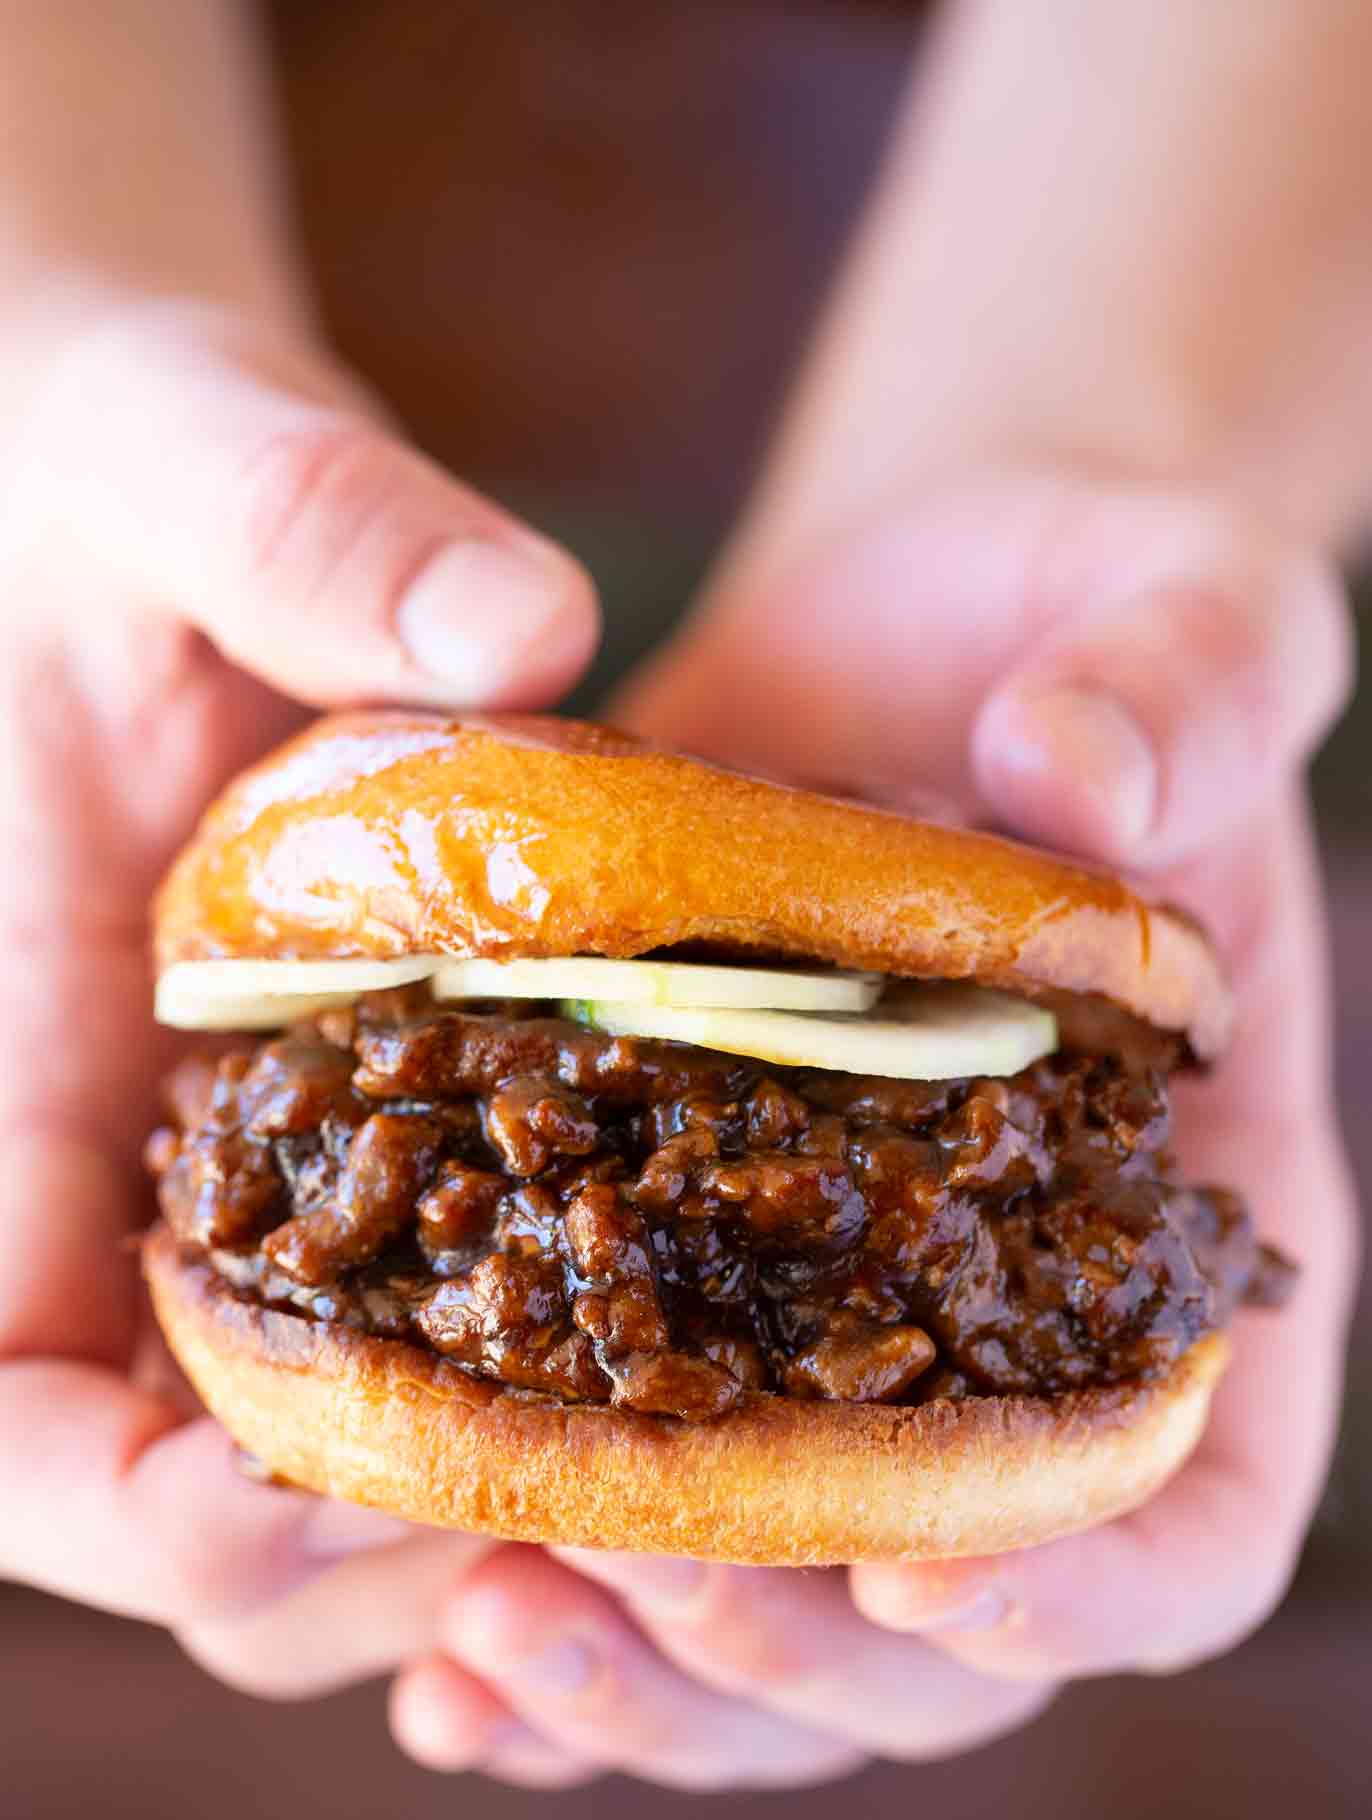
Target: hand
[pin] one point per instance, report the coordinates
(1137, 678)
(204, 526)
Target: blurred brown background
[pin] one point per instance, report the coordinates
(579, 245)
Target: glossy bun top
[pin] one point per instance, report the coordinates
(384, 834)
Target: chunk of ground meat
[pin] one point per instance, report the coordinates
(673, 1384)
(295, 1084)
(529, 1121)
(460, 1206)
(857, 1361)
(507, 1316)
(219, 1188)
(390, 1163)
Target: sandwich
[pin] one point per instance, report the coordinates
(582, 1143)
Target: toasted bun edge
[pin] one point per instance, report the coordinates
(779, 1482)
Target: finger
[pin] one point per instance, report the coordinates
(567, 1661)
(448, 1720)
(364, 1617)
(111, 1499)
(793, 1643)
(1145, 730)
(442, 1716)
(45, 1300)
(310, 544)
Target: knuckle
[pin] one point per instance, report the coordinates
(315, 482)
(201, 1581)
(191, 1581)
(759, 1657)
(1278, 612)
(201, 1586)
(747, 1647)
(622, 1716)
(1264, 617)
(617, 1710)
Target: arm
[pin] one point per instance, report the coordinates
(1130, 240)
(137, 157)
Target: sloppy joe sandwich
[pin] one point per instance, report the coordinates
(597, 1146)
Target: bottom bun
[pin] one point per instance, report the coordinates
(778, 1482)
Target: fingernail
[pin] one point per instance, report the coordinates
(332, 1530)
(985, 1611)
(660, 1581)
(1072, 765)
(934, 1596)
(481, 615)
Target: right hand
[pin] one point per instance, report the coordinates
(202, 527)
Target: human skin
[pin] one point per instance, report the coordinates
(1042, 534)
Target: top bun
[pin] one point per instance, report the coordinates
(386, 834)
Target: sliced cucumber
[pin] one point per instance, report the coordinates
(263, 1012)
(260, 995)
(674, 983)
(924, 1032)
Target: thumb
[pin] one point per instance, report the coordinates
(1187, 664)
(252, 492)
(1117, 673)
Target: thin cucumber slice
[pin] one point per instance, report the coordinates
(668, 983)
(924, 1032)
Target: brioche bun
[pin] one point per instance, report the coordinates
(386, 834)
(778, 1482)
(381, 835)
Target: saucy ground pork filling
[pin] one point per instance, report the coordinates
(658, 1227)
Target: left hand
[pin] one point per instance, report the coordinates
(1137, 678)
